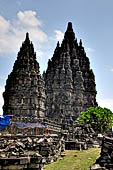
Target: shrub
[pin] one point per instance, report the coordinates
(101, 119)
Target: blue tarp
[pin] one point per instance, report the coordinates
(25, 125)
(4, 121)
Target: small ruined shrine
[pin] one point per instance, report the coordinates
(69, 80)
(24, 91)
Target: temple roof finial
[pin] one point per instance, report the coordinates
(80, 43)
(27, 37)
(69, 27)
(58, 44)
(69, 35)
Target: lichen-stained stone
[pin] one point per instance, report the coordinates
(24, 91)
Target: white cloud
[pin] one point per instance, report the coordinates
(12, 33)
(4, 25)
(90, 50)
(108, 103)
(59, 35)
(111, 70)
(28, 18)
(1, 99)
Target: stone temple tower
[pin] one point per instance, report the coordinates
(70, 83)
(24, 91)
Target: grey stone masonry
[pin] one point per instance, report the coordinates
(29, 152)
(24, 91)
(105, 161)
(69, 80)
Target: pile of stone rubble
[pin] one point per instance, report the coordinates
(41, 149)
(105, 161)
(82, 137)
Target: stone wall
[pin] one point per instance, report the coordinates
(105, 161)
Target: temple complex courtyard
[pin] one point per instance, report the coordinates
(54, 116)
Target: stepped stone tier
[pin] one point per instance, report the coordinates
(69, 80)
(24, 91)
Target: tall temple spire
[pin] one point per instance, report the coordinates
(24, 94)
(69, 92)
(69, 82)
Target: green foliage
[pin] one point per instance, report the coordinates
(101, 119)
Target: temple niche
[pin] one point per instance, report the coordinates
(69, 80)
(24, 94)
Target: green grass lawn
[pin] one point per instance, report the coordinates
(75, 160)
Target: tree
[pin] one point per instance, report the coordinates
(101, 119)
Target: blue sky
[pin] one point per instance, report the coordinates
(46, 22)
